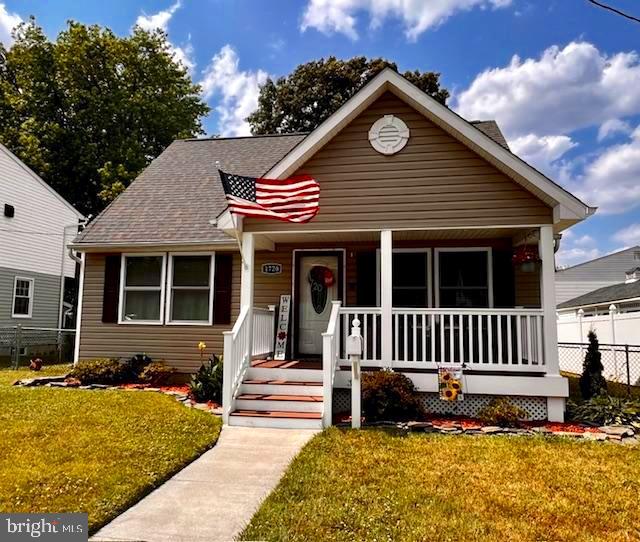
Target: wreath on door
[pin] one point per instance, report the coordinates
(320, 279)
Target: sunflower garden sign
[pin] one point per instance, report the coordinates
(450, 383)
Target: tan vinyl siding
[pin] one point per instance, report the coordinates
(435, 181)
(174, 344)
(527, 286)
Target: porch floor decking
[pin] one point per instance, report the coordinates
(287, 364)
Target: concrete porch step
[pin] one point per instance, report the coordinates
(280, 387)
(272, 373)
(272, 402)
(276, 419)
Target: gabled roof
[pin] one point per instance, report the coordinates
(606, 295)
(39, 180)
(568, 209)
(173, 199)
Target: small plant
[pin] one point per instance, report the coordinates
(500, 411)
(606, 410)
(136, 364)
(391, 396)
(592, 383)
(35, 364)
(206, 384)
(156, 373)
(101, 371)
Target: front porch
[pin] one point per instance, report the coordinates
(423, 298)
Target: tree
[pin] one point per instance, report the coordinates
(89, 111)
(592, 383)
(315, 90)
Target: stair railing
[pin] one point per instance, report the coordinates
(330, 351)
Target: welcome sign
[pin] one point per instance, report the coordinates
(282, 329)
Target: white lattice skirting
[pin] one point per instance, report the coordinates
(535, 406)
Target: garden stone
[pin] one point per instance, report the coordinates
(417, 426)
(58, 385)
(542, 430)
(614, 437)
(567, 434)
(621, 430)
(490, 429)
(151, 389)
(201, 406)
(99, 386)
(594, 436)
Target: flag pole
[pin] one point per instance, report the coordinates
(234, 219)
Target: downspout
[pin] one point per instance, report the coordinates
(78, 225)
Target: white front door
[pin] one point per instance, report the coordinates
(314, 299)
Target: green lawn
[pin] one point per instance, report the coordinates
(91, 451)
(371, 485)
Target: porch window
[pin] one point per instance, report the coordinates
(22, 297)
(410, 278)
(463, 278)
(142, 288)
(191, 292)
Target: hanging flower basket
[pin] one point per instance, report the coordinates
(526, 257)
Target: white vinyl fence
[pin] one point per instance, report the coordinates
(612, 328)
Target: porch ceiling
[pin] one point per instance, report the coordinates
(399, 235)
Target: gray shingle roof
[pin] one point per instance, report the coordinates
(175, 197)
(608, 294)
(491, 129)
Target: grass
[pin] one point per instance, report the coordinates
(372, 485)
(91, 451)
(9, 376)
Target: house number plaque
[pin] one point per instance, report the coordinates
(271, 268)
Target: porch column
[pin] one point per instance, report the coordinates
(555, 405)
(386, 303)
(246, 285)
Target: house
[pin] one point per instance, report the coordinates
(36, 224)
(421, 217)
(608, 270)
(613, 312)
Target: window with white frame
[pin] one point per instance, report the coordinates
(142, 288)
(190, 289)
(22, 297)
(464, 278)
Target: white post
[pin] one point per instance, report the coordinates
(227, 377)
(246, 286)
(76, 346)
(613, 310)
(555, 405)
(580, 317)
(354, 351)
(386, 298)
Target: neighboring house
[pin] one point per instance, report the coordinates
(613, 312)
(36, 224)
(421, 213)
(588, 276)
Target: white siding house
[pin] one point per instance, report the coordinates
(36, 224)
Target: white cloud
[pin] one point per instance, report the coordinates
(584, 240)
(158, 20)
(8, 21)
(629, 236)
(237, 89)
(613, 126)
(569, 256)
(339, 16)
(562, 91)
(542, 151)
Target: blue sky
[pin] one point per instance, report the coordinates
(561, 77)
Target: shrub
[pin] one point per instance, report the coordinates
(500, 411)
(206, 384)
(136, 364)
(592, 383)
(156, 373)
(606, 410)
(391, 396)
(100, 371)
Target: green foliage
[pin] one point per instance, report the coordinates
(101, 371)
(605, 410)
(302, 100)
(206, 384)
(90, 110)
(592, 383)
(500, 411)
(389, 396)
(156, 373)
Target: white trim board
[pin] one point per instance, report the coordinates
(569, 207)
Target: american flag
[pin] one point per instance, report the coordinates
(295, 199)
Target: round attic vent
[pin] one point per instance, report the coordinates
(389, 135)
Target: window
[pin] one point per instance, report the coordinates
(411, 274)
(22, 297)
(464, 278)
(190, 289)
(142, 288)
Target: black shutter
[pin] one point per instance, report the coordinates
(111, 292)
(222, 289)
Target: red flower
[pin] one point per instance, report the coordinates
(282, 335)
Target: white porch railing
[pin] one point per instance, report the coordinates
(236, 351)
(330, 355)
(483, 339)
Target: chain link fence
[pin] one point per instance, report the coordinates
(20, 344)
(621, 361)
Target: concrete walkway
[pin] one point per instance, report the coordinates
(214, 497)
